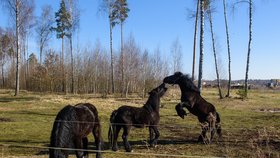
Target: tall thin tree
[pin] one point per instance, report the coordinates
(120, 11)
(249, 45)
(228, 49)
(209, 12)
(107, 7)
(195, 38)
(201, 53)
(250, 3)
(74, 24)
(19, 10)
(62, 30)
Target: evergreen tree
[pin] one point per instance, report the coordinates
(63, 26)
(119, 14)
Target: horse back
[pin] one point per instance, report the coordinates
(136, 116)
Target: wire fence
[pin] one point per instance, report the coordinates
(228, 137)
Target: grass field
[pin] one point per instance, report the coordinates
(251, 127)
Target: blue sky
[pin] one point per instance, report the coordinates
(157, 23)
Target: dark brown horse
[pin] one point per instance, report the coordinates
(126, 116)
(198, 106)
(70, 130)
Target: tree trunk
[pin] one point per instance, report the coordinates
(18, 49)
(64, 89)
(228, 47)
(201, 44)
(72, 65)
(215, 54)
(122, 62)
(194, 40)
(3, 77)
(112, 58)
(41, 51)
(249, 46)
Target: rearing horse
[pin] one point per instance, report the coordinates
(198, 106)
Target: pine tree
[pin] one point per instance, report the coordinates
(62, 29)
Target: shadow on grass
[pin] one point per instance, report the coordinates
(24, 112)
(19, 99)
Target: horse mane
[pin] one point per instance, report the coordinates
(60, 133)
(190, 83)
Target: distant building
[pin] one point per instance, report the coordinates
(273, 83)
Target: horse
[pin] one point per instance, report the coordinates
(126, 116)
(197, 105)
(71, 127)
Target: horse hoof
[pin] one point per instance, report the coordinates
(129, 150)
(200, 139)
(115, 148)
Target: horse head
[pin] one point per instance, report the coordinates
(159, 91)
(173, 79)
(154, 98)
(184, 81)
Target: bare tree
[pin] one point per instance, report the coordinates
(250, 3)
(19, 11)
(176, 51)
(43, 29)
(209, 12)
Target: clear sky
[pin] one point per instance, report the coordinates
(157, 23)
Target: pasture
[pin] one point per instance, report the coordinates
(251, 127)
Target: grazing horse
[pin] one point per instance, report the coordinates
(198, 106)
(70, 130)
(126, 116)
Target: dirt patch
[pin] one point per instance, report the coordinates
(272, 110)
(5, 119)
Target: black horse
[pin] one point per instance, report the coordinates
(126, 116)
(192, 100)
(71, 127)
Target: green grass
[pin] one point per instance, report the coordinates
(26, 122)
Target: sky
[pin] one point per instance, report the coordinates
(157, 23)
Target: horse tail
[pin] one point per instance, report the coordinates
(112, 127)
(218, 125)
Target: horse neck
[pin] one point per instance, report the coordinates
(185, 92)
(152, 102)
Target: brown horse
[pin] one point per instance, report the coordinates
(70, 130)
(126, 116)
(198, 106)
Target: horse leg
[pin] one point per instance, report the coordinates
(127, 146)
(219, 130)
(212, 125)
(153, 142)
(180, 111)
(218, 125)
(98, 140)
(202, 137)
(85, 146)
(116, 129)
(151, 133)
(79, 145)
